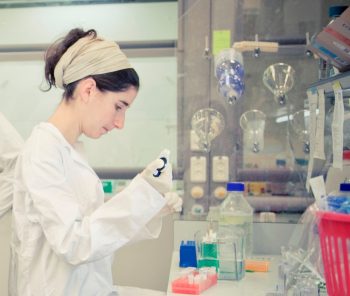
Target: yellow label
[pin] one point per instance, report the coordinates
(336, 86)
(221, 40)
(256, 188)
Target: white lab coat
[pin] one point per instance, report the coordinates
(64, 234)
(10, 144)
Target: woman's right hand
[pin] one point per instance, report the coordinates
(159, 173)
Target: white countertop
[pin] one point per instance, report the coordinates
(253, 284)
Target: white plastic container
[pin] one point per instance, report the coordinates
(237, 215)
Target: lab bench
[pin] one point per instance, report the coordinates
(253, 284)
(267, 241)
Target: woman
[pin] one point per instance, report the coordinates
(64, 234)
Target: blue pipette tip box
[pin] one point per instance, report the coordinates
(188, 257)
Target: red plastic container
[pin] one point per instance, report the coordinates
(334, 230)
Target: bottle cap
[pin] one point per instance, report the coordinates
(344, 187)
(336, 10)
(235, 186)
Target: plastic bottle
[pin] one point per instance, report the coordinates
(237, 215)
(339, 201)
(230, 74)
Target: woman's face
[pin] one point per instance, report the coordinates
(107, 111)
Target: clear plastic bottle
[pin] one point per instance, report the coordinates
(229, 71)
(236, 215)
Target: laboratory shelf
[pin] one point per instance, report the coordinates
(265, 175)
(290, 204)
(326, 84)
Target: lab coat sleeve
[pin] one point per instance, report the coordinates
(10, 144)
(6, 185)
(145, 202)
(151, 230)
(78, 238)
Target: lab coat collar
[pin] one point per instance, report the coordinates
(76, 156)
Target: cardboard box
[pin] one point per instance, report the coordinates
(333, 43)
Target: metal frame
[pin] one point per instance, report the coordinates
(41, 3)
(25, 52)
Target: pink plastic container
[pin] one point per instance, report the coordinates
(195, 282)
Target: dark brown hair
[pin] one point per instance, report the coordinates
(114, 81)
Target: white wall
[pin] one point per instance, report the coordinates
(120, 22)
